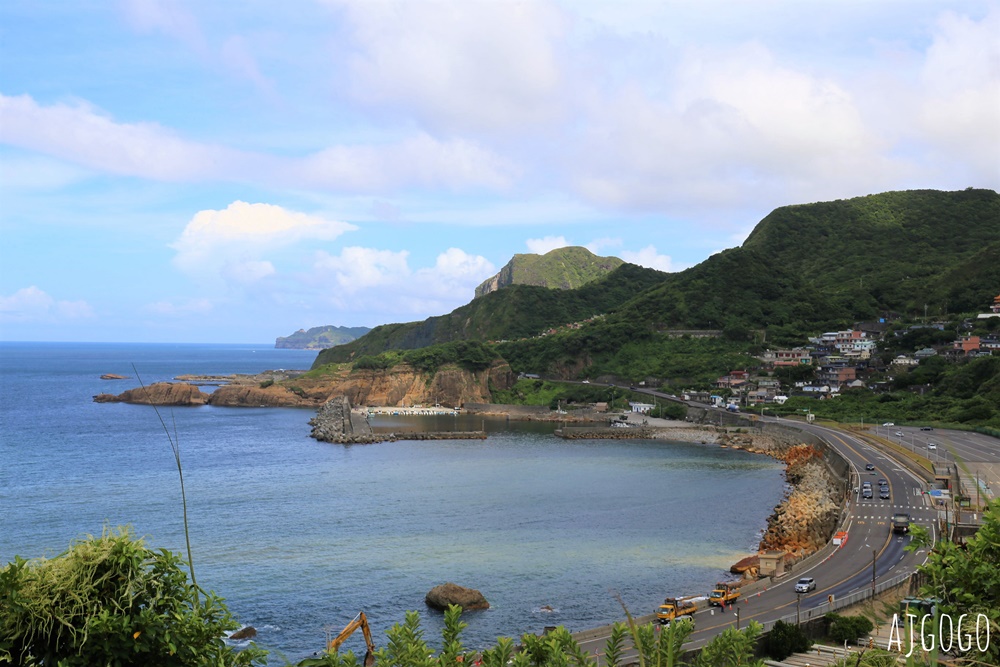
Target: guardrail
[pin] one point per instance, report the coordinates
(840, 603)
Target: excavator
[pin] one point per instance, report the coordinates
(360, 621)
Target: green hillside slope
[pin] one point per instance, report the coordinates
(562, 268)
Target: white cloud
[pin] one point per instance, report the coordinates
(239, 235)
(458, 65)
(81, 134)
(599, 246)
(960, 87)
(649, 258)
(31, 304)
(370, 280)
(545, 244)
(167, 16)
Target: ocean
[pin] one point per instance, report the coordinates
(299, 536)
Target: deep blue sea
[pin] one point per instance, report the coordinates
(299, 536)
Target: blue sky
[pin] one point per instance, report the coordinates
(231, 171)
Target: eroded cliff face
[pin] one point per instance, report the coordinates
(398, 386)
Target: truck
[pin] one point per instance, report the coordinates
(724, 593)
(674, 608)
(901, 523)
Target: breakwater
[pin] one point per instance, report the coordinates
(335, 422)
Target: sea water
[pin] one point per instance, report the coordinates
(299, 536)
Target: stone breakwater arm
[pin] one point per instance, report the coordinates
(333, 423)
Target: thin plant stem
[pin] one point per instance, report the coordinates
(175, 447)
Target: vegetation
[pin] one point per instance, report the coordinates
(849, 629)
(785, 639)
(111, 600)
(562, 268)
(966, 580)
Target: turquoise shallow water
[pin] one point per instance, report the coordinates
(299, 536)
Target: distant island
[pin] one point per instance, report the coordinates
(319, 338)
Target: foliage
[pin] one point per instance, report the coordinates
(967, 580)
(656, 647)
(111, 600)
(318, 338)
(842, 629)
(785, 639)
(732, 648)
(562, 268)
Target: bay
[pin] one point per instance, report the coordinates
(299, 536)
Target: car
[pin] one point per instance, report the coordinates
(926, 428)
(888, 424)
(931, 445)
(586, 381)
(882, 481)
(805, 584)
(899, 434)
(869, 466)
(866, 493)
(884, 494)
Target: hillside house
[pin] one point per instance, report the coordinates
(641, 408)
(925, 353)
(793, 357)
(966, 345)
(994, 309)
(836, 375)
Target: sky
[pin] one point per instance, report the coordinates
(230, 171)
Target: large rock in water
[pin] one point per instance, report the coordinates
(440, 597)
(159, 393)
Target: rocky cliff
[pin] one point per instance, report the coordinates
(320, 338)
(398, 386)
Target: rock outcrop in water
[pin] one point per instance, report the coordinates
(159, 393)
(440, 597)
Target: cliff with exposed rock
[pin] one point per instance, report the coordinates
(401, 385)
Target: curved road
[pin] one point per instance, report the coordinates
(848, 569)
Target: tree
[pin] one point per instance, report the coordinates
(111, 600)
(967, 580)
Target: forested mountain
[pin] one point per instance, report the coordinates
(514, 312)
(562, 268)
(803, 269)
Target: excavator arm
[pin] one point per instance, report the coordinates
(360, 621)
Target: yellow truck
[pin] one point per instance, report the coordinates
(674, 608)
(724, 593)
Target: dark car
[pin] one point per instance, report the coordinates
(866, 493)
(926, 428)
(869, 466)
(883, 494)
(882, 481)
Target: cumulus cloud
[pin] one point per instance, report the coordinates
(458, 65)
(234, 240)
(31, 304)
(545, 244)
(649, 258)
(368, 279)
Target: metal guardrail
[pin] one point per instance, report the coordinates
(840, 603)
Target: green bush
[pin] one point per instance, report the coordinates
(847, 628)
(786, 639)
(111, 600)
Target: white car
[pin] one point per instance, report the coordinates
(899, 434)
(931, 445)
(888, 424)
(805, 584)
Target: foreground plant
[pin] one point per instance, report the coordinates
(113, 601)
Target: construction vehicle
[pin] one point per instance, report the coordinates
(674, 608)
(360, 621)
(724, 593)
(901, 523)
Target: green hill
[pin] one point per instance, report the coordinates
(562, 268)
(511, 313)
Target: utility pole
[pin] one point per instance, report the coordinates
(737, 616)
(798, 601)
(873, 575)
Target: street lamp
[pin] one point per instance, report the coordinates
(798, 602)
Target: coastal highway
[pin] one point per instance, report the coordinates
(871, 547)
